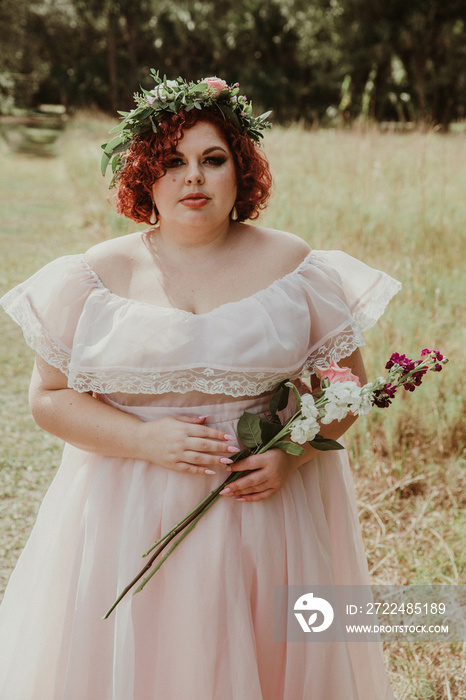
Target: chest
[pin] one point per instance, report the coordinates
(197, 288)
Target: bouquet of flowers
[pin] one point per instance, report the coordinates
(340, 393)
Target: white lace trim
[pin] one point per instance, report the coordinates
(231, 382)
(35, 335)
(337, 347)
(375, 301)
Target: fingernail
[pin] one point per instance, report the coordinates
(240, 499)
(232, 448)
(202, 417)
(225, 491)
(228, 469)
(209, 471)
(228, 437)
(225, 460)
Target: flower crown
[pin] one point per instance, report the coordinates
(169, 97)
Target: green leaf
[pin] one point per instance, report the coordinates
(269, 430)
(229, 114)
(325, 444)
(118, 127)
(249, 429)
(295, 392)
(111, 145)
(200, 87)
(264, 116)
(279, 400)
(104, 162)
(290, 448)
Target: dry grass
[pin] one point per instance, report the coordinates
(395, 201)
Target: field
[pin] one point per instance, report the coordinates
(395, 201)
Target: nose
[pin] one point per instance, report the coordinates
(194, 175)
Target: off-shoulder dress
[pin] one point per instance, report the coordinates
(203, 628)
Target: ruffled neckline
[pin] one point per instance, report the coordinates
(174, 309)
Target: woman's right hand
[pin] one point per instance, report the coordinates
(185, 444)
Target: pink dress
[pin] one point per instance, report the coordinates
(203, 628)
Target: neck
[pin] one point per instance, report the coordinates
(193, 241)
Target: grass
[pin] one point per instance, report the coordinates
(396, 202)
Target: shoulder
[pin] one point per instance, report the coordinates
(279, 250)
(113, 260)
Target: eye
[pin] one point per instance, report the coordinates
(215, 160)
(174, 163)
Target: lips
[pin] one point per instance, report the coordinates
(195, 200)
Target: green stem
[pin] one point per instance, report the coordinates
(186, 532)
(189, 520)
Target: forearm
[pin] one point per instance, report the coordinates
(86, 422)
(333, 431)
(180, 443)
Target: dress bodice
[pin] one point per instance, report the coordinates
(110, 344)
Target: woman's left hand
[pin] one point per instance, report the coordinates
(269, 472)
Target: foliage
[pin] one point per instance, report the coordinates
(307, 60)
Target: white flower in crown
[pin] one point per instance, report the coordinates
(162, 92)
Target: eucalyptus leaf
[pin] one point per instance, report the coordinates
(249, 429)
(325, 444)
(200, 87)
(110, 145)
(143, 113)
(104, 162)
(290, 448)
(264, 116)
(118, 127)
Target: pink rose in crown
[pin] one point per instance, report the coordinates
(335, 374)
(216, 84)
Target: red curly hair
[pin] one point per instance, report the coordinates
(144, 162)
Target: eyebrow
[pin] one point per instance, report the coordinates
(207, 151)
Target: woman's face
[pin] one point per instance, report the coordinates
(199, 187)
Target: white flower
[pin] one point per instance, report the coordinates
(308, 406)
(342, 397)
(304, 430)
(365, 403)
(334, 412)
(162, 92)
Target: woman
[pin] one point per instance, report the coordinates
(149, 348)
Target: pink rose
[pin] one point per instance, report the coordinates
(335, 374)
(216, 84)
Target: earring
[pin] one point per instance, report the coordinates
(234, 214)
(154, 219)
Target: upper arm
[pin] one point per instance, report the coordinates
(355, 364)
(45, 377)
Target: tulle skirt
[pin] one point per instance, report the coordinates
(203, 627)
